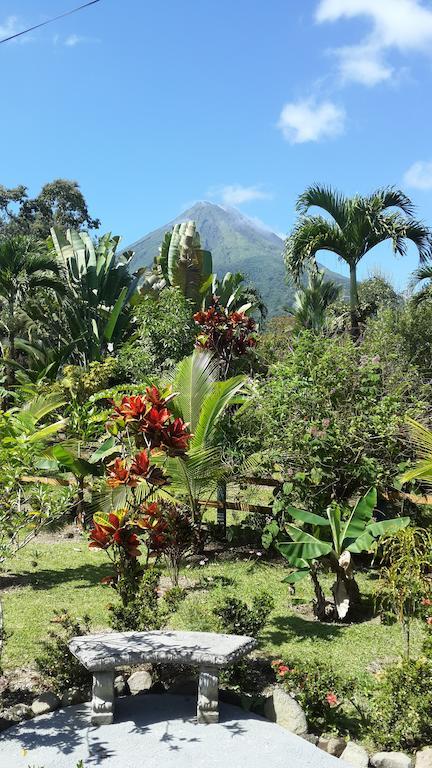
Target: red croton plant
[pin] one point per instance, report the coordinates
(145, 429)
(229, 334)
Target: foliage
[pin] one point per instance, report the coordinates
(101, 288)
(165, 335)
(235, 295)
(183, 263)
(26, 505)
(60, 203)
(319, 690)
(328, 421)
(421, 436)
(228, 335)
(333, 541)
(58, 667)
(374, 295)
(237, 618)
(141, 612)
(81, 383)
(275, 342)
(356, 226)
(400, 710)
(311, 302)
(404, 585)
(24, 270)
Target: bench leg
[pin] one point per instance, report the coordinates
(208, 695)
(103, 698)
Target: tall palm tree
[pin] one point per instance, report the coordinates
(312, 301)
(357, 225)
(25, 267)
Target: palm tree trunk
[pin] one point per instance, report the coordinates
(354, 301)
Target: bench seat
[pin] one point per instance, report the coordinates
(102, 654)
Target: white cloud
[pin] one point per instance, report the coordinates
(419, 175)
(404, 25)
(309, 120)
(72, 40)
(236, 194)
(11, 26)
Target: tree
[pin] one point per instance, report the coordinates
(423, 276)
(357, 225)
(101, 288)
(312, 301)
(24, 269)
(60, 203)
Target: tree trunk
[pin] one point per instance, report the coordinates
(320, 603)
(221, 518)
(354, 301)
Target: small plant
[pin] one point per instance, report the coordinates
(58, 667)
(238, 618)
(319, 690)
(174, 596)
(140, 610)
(404, 586)
(401, 707)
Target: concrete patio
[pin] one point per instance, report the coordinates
(156, 731)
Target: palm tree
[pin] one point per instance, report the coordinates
(357, 225)
(24, 269)
(312, 301)
(423, 273)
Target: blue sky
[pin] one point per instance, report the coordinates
(153, 105)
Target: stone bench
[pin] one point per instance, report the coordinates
(103, 654)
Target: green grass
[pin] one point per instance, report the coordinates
(66, 574)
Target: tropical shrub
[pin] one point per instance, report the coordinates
(404, 587)
(237, 618)
(400, 709)
(140, 610)
(57, 665)
(328, 422)
(331, 544)
(229, 335)
(165, 334)
(319, 690)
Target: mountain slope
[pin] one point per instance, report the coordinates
(238, 244)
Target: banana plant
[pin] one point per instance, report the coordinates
(335, 537)
(235, 294)
(183, 263)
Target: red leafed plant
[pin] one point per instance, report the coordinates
(143, 426)
(228, 334)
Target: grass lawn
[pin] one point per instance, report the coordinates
(65, 574)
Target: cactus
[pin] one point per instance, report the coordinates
(183, 262)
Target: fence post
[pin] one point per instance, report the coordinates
(221, 499)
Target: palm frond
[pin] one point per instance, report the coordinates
(321, 196)
(390, 197)
(222, 395)
(193, 380)
(310, 235)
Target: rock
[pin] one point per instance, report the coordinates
(73, 696)
(391, 760)
(19, 712)
(282, 709)
(46, 702)
(139, 682)
(310, 737)
(121, 687)
(333, 745)
(424, 758)
(356, 755)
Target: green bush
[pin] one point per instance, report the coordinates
(59, 668)
(319, 690)
(328, 420)
(142, 612)
(238, 618)
(165, 334)
(401, 708)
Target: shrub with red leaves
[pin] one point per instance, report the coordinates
(229, 335)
